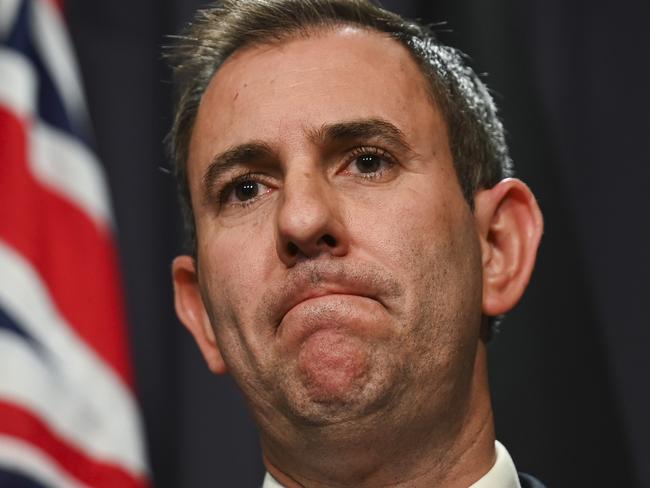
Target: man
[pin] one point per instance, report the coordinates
(353, 234)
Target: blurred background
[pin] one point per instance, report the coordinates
(570, 369)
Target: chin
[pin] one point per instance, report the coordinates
(338, 378)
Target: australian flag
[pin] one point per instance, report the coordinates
(68, 414)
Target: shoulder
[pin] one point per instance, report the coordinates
(527, 481)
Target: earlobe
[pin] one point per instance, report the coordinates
(510, 226)
(192, 313)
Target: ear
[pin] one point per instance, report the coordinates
(192, 313)
(510, 227)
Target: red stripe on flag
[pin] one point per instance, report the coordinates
(75, 258)
(17, 422)
(59, 5)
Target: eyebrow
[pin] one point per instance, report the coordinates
(240, 155)
(361, 129)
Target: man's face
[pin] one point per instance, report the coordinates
(337, 259)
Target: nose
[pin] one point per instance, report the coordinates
(309, 220)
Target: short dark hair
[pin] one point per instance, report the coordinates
(476, 135)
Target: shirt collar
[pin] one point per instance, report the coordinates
(502, 475)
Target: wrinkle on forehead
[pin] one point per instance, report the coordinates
(390, 60)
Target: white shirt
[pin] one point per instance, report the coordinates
(502, 475)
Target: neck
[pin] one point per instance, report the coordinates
(390, 452)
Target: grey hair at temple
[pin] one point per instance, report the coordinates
(476, 135)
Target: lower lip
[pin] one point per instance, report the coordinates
(350, 313)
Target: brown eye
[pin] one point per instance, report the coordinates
(245, 190)
(368, 163)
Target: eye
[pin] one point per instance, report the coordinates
(369, 162)
(243, 191)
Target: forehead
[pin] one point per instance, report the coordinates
(278, 92)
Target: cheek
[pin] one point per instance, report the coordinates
(230, 281)
(426, 237)
(232, 263)
(403, 226)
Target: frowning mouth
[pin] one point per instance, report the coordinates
(315, 295)
(344, 314)
(329, 285)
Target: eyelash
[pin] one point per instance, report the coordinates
(373, 151)
(229, 187)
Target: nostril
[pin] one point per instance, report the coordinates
(292, 248)
(329, 240)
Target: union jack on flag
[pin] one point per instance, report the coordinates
(68, 414)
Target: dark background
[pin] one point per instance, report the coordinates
(570, 369)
